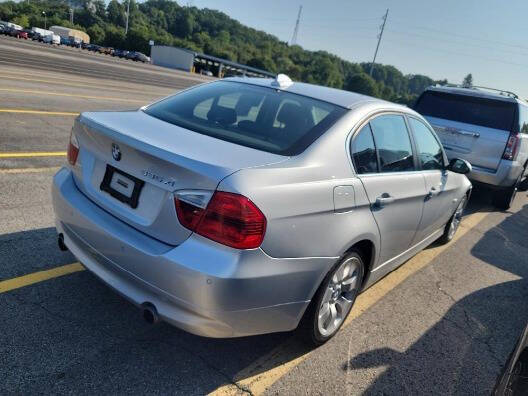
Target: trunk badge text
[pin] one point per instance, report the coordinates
(116, 152)
(158, 178)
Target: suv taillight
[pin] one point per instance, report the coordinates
(230, 219)
(511, 147)
(73, 149)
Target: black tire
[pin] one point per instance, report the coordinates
(503, 199)
(523, 186)
(454, 222)
(309, 328)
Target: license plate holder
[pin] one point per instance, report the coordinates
(115, 179)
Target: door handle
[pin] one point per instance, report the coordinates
(384, 199)
(433, 192)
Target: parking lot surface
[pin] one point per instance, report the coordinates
(443, 323)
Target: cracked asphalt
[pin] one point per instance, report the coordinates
(446, 328)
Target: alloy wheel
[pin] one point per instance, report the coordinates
(339, 296)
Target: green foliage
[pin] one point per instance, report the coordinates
(215, 33)
(362, 83)
(21, 20)
(468, 81)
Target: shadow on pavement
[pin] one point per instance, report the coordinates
(73, 332)
(464, 351)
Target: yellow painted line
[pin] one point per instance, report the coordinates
(29, 170)
(70, 95)
(34, 154)
(36, 277)
(40, 112)
(268, 369)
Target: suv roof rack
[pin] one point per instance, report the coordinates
(500, 91)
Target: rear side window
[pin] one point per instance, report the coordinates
(364, 152)
(523, 118)
(484, 112)
(262, 118)
(429, 150)
(393, 143)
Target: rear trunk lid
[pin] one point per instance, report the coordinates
(159, 156)
(473, 128)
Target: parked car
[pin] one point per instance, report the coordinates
(105, 50)
(120, 53)
(489, 129)
(18, 33)
(65, 41)
(30, 33)
(514, 378)
(240, 206)
(131, 55)
(2, 29)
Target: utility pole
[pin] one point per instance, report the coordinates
(380, 35)
(45, 21)
(128, 12)
(296, 30)
(71, 15)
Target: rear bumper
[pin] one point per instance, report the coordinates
(505, 176)
(200, 286)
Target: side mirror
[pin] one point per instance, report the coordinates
(459, 165)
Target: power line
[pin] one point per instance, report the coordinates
(379, 41)
(296, 30)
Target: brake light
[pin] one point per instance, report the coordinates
(230, 219)
(511, 147)
(73, 150)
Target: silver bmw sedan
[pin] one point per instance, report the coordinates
(248, 206)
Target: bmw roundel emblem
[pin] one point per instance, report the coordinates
(116, 152)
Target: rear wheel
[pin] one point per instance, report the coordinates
(333, 301)
(453, 223)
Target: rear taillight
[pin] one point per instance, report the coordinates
(230, 219)
(511, 147)
(73, 149)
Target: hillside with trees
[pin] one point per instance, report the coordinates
(214, 33)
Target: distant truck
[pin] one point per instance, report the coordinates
(42, 32)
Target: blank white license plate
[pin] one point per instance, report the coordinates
(122, 184)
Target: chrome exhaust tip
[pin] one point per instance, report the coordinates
(149, 313)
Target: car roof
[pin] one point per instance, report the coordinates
(335, 96)
(479, 93)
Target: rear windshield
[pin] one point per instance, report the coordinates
(262, 118)
(468, 109)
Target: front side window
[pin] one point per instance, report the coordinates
(364, 152)
(393, 143)
(429, 150)
(259, 117)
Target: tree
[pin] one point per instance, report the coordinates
(116, 13)
(362, 83)
(22, 20)
(96, 33)
(468, 81)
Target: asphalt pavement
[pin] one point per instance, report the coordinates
(443, 323)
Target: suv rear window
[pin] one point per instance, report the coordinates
(468, 109)
(262, 118)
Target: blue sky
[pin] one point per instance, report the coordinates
(441, 39)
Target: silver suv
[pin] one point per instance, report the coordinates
(488, 128)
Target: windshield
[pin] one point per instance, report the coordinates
(262, 118)
(484, 112)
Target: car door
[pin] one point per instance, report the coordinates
(440, 200)
(385, 163)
